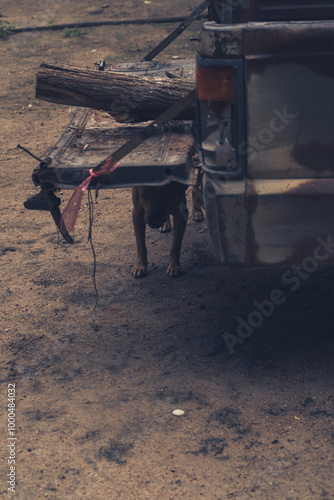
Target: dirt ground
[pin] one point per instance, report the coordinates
(95, 390)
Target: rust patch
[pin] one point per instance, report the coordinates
(314, 155)
(227, 45)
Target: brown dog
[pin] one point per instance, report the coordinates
(152, 205)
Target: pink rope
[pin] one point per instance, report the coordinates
(70, 214)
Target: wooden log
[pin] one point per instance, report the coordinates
(127, 96)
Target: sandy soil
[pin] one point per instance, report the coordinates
(95, 390)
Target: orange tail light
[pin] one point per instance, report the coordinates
(215, 84)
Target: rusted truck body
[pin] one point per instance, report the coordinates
(266, 132)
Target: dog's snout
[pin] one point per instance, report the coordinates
(155, 220)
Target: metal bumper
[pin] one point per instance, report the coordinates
(270, 222)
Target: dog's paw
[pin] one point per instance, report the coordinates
(173, 270)
(198, 215)
(139, 271)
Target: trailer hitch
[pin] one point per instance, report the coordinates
(47, 200)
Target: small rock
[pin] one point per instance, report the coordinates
(178, 413)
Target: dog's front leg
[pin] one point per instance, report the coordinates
(197, 198)
(180, 218)
(140, 269)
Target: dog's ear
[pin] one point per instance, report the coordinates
(136, 197)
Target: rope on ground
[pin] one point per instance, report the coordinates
(90, 239)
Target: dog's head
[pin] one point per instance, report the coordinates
(155, 202)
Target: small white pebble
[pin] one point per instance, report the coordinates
(178, 413)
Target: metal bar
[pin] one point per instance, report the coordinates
(180, 29)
